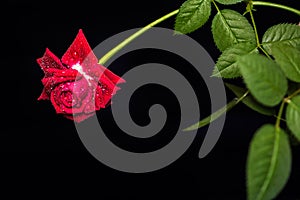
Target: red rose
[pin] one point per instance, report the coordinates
(77, 86)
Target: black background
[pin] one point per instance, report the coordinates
(41, 153)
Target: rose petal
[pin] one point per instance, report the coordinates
(55, 100)
(98, 70)
(67, 73)
(79, 51)
(99, 102)
(83, 91)
(79, 117)
(44, 95)
(55, 77)
(108, 89)
(76, 93)
(49, 60)
(112, 77)
(80, 91)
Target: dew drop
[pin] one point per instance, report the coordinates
(75, 54)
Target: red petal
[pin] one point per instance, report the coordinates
(69, 117)
(108, 89)
(57, 107)
(99, 103)
(112, 77)
(79, 51)
(68, 73)
(44, 95)
(79, 117)
(55, 77)
(49, 60)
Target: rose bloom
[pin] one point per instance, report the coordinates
(77, 85)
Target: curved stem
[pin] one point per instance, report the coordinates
(217, 114)
(294, 94)
(262, 3)
(115, 50)
(249, 9)
(286, 100)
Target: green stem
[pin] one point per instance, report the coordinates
(262, 3)
(115, 50)
(249, 8)
(277, 125)
(243, 97)
(254, 26)
(217, 114)
(280, 112)
(264, 51)
(294, 94)
(216, 6)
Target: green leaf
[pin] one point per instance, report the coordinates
(288, 58)
(192, 15)
(230, 27)
(213, 116)
(229, 2)
(268, 163)
(226, 66)
(281, 34)
(264, 78)
(293, 116)
(250, 101)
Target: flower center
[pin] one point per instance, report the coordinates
(78, 67)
